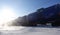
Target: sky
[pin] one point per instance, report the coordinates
(25, 7)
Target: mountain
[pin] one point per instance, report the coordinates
(41, 16)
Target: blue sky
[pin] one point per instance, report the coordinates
(25, 7)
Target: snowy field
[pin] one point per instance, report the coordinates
(30, 31)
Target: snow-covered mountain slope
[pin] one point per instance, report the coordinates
(32, 31)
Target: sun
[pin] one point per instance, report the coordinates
(7, 15)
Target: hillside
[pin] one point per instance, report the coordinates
(41, 16)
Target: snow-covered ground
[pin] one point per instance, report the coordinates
(31, 31)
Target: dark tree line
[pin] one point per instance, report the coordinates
(41, 16)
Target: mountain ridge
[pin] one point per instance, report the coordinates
(41, 16)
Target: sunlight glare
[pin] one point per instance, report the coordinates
(6, 15)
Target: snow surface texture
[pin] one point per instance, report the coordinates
(32, 31)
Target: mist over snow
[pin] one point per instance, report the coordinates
(32, 31)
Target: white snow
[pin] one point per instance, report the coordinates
(31, 31)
